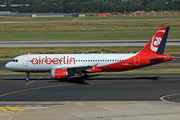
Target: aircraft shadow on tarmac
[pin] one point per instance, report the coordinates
(94, 78)
(91, 78)
(76, 80)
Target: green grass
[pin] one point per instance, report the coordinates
(63, 36)
(81, 35)
(95, 30)
(7, 52)
(168, 64)
(90, 25)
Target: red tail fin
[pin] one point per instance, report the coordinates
(158, 41)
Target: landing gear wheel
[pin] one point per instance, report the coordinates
(82, 79)
(85, 76)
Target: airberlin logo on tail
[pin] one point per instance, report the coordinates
(156, 40)
(46, 60)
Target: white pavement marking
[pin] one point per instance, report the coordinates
(166, 96)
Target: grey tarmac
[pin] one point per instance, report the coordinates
(99, 87)
(91, 43)
(102, 97)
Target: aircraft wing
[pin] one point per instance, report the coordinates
(80, 68)
(76, 68)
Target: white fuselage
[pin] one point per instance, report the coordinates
(47, 62)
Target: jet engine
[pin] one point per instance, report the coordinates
(59, 74)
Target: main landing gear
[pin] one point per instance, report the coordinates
(84, 77)
(27, 78)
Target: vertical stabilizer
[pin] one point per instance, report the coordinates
(158, 41)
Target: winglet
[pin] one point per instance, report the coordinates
(157, 43)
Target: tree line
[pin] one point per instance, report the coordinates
(89, 6)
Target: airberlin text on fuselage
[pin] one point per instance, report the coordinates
(47, 60)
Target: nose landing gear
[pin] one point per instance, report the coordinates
(27, 78)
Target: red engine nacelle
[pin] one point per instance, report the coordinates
(59, 74)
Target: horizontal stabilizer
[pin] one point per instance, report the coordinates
(158, 58)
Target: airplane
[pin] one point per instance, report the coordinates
(62, 66)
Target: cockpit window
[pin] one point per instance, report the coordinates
(15, 60)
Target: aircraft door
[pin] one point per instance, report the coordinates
(25, 62)
(137, 60)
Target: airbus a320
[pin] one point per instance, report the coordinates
(62, 66)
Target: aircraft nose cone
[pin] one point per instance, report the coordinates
(8, 66)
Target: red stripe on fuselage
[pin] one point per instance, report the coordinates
(130, 64)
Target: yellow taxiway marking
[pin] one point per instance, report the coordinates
(11, 109)
(33, 81)
(40, 78)
(22, 115)
(30, 82)
(33, 89)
